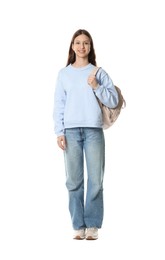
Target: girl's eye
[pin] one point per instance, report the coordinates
(84, 43)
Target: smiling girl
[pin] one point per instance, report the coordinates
(78, 126)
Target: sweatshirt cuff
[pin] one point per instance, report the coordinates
(60, 133)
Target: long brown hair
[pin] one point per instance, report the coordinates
(91, 55)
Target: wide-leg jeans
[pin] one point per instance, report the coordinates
(86, 210)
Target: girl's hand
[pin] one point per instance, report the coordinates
(61, 141)
(92, 82)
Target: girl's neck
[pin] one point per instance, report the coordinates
(80, 63)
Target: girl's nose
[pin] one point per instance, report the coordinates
(82, 45)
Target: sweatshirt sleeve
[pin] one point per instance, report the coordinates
(59, 105)
(106, 91)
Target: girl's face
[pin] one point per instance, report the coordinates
(81, 46)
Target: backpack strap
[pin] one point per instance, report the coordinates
(95, 70)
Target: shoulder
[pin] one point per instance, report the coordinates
(101, 73)
(64, 69)
(62, 72)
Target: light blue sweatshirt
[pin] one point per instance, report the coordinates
(75, 103)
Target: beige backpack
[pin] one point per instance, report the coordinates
(110, 115)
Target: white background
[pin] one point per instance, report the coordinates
(129, 43)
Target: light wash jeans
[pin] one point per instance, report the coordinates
(89, 142)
